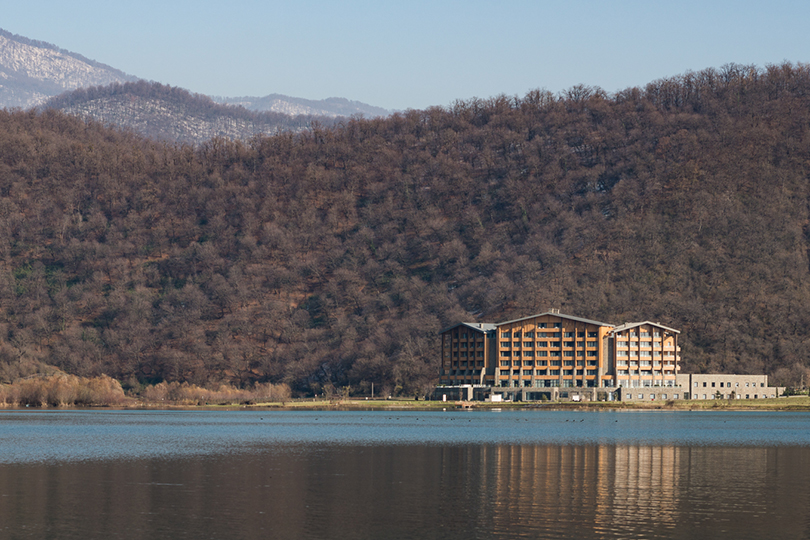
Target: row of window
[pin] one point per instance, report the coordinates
(634, 363)
(728, 385)
(633, 372)
(643, 334)
(647, 344)
(531, 354)
(507, 363)
(530, 344)
(517, 333)
(545, 372)
(643, 354)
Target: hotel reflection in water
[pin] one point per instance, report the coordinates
(614, 490)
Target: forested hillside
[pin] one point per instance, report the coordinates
(333, 257)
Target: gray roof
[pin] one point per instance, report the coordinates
(628, 325)
(561, 315)
(480, 327)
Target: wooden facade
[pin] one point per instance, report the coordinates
(555, 350)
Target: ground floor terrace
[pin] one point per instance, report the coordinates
(470, 392)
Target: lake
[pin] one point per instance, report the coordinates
(390, 475)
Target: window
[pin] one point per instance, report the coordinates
(556, 344)
(592, 334)
(580, 344)
(504, 363)
(542, 343)
(568, 353)
(712, 384)
(528, 343)
(569, 343)
(503, 353)
(580, 334)
(704, 384)
(528, 334)
(506, 335)
(593, 353)
(568, 334)
(505, 343)
(517, 334)
(542, 334)
(528, 353)
(542, 353)
(528, 363)
(645, 334)
(541, 325)
(645, 363)
(480, 354)
(581, 353)
(555, 362)
(555, 334)
(554, 353)
(568, 372)
(568, 362)
(618, 353)
(591, 344)
(591, 372)
(557, 325)
(541, 362)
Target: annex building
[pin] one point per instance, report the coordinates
(554, 350)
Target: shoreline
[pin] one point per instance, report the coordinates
(783, 404)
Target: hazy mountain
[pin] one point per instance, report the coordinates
(173, 114)
(331, 107)
(33, 71)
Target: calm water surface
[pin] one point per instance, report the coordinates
(380, 475)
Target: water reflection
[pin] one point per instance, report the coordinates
(472, 491)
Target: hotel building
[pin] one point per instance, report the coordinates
(551, 350)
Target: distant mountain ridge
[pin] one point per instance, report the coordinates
(173, 114)
(38, 74)
(279, 103)
(33, 71)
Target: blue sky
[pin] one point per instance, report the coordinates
(413, 54)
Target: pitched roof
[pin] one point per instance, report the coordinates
(555, 314)
(480, 327)
(628, 325)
